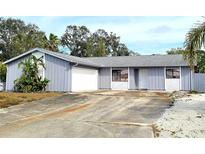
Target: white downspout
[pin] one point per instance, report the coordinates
(165, 86)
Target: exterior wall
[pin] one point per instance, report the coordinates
(59, 73)
(185, 78)
(143, 78)
(119, 85)
(132, 83)
(199, 82)
(123, 85)
(104, 81)
(13, 72)
(151, 78)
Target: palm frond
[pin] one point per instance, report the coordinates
(195, 38)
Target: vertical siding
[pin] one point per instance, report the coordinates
(59, 73)
(143, 78)
(185, 78)
(13, 72)
(104, 78)
(151, 78)
(132, 77)
(156, 79)
(199, 82)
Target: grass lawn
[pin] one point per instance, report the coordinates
(8, 98)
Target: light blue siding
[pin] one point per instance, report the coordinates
(151, 78)
(132, 78)
(143, 78)
(59, 73)
(13, 72)
(185, 78)
(199, 82)
(156, 80)
(104, 78)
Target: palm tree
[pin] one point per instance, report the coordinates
(52, 42)
(195, 40)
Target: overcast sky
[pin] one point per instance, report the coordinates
(145, 34)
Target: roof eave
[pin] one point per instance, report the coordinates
(49, 53)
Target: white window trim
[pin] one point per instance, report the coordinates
(165, 77)
(127, 80)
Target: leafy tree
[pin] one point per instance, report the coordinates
(200, 61)
(132, 53)
(101, 37)
(75, 38)
(195, 40)
(52, 42)
(30, 80)
(16, 37)
(100, 48)
(173, 51)
(83, 43)
(114, 42)
(122, 50)
(2, 72)
(90, 50)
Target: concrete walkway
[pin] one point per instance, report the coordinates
(96, 114)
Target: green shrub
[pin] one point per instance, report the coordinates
(30, 81)
(2, 72)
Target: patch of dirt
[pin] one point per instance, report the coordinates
(9, 99)
(178, 94)
(134, 93)
(77, 108)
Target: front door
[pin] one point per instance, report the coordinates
(172, 78)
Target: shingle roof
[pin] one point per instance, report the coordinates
(140, 61)
(70, 58)
(63, 56)
(119, 61)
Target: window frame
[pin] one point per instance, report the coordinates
(173, 72)
(121, 77)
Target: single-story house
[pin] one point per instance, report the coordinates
(69, 73)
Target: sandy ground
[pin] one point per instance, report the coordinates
(186, 119)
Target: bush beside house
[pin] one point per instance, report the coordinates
(31, 80)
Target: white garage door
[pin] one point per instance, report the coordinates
(84, 79)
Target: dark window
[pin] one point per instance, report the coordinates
(120, 75)
(172, 73)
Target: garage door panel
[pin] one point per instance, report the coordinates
(84, 79)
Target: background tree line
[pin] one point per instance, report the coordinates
(83, 43)
(17, 37)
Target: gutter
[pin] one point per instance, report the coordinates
(75, 64)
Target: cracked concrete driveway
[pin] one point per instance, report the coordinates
(92, 114)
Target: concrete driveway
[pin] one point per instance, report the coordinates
(94, 114)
